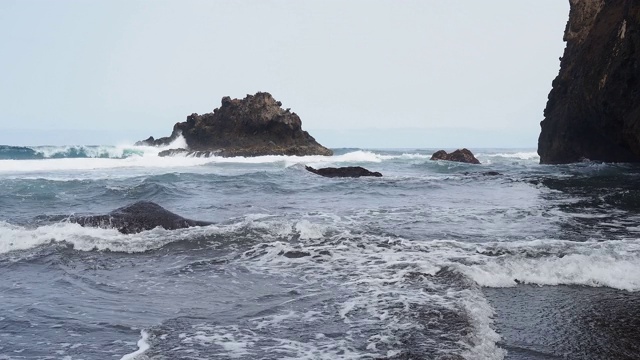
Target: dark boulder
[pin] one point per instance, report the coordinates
(460, 155)
(254, 126)
(137, 217)
(347, 171)
(295, 254)
(593, 110)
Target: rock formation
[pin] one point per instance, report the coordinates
(593, 111)
(253, 126)
(347, 171)
(460, 155)
(137, 217)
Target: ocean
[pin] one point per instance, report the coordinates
(434, 260)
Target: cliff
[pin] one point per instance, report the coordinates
(593, 110)
(253, 126)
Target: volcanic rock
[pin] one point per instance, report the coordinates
(137, 217)
(460, 155)
(253, 126)
(150, 141)
(347, 171)
(295, 254)
(593, 110)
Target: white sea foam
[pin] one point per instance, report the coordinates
(118, 151)
(143, 346)
(106, 151)
(14, 238)
(376, 270)
(483, 341)
(179, 143)
(49, 167)
(231, 339)
(524, 155)
(309, 230)
(232, 342)
(142, 157)
(354, 157)
(614, 264)
(266, 227)
(146, 159)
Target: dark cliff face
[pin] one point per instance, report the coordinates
(593, 111)
(255, 125)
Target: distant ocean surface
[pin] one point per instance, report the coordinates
(435, 260)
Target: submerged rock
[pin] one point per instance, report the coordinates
(347, 171)
(593, 111)
(137, 217)
(460, 155)
(253, 126)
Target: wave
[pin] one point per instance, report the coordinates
(19, 238)
(143, 346)
(68, 158)
(50, 159)
(18, 153)
(68, 151)
(613, 263)
(147, 158)
(121, 151)
(384, 273)
(353, 157)
(524, 155)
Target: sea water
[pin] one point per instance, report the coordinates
(435, 260)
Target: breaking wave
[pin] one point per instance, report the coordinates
(390, 289)
(614, 263)
(68, 151)
(82, 151)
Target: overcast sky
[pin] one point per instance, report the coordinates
(364, 73)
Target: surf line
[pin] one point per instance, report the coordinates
(143, 346)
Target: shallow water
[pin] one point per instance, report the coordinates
(567, 322)
(435, 260)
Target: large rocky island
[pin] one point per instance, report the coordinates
(253, 126)
(593, 111)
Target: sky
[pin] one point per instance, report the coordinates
(360, 73)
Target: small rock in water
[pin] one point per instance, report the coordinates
(460, 155)
(295, 254)
(347, 171)
(137, 217)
